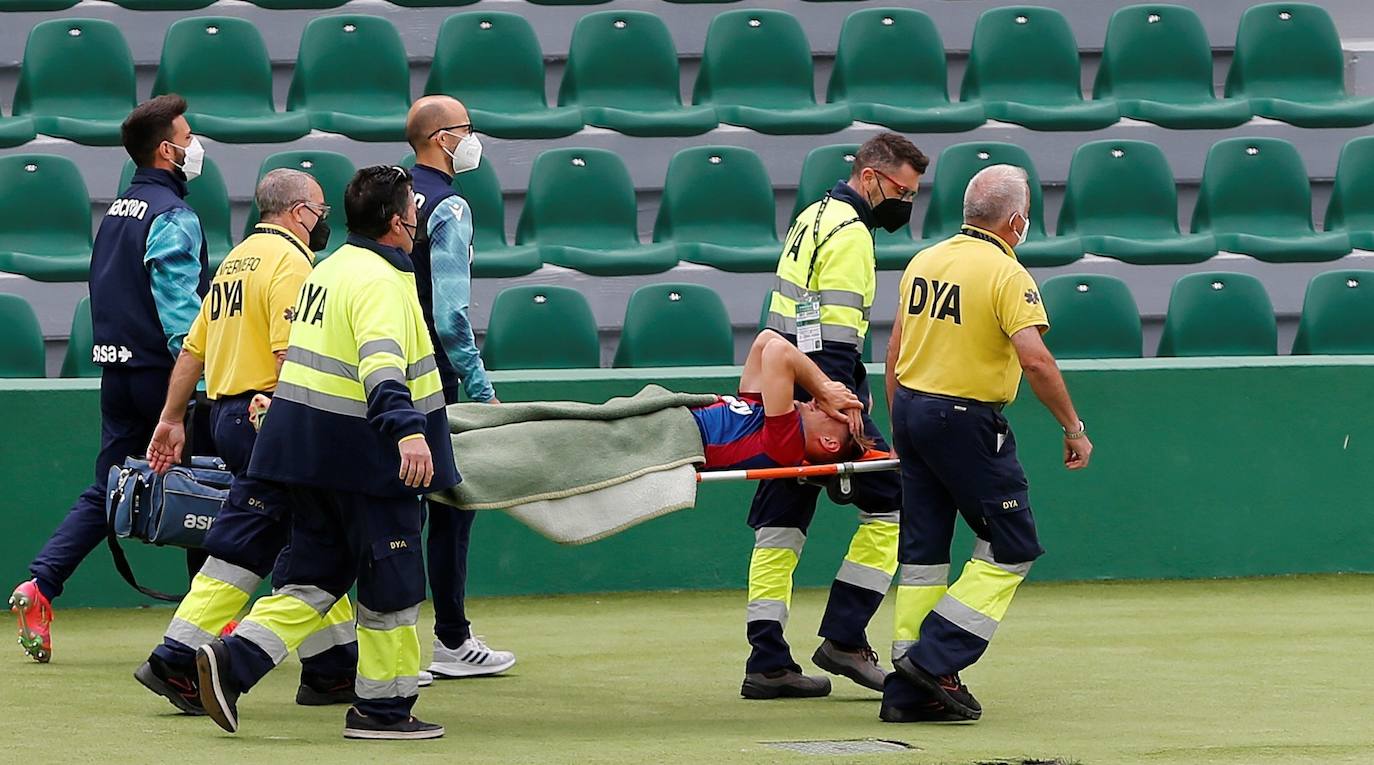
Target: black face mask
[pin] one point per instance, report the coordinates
(891, 214)
(319, 236)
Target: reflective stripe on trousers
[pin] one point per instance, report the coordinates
(872, 557)
(295, 612)
(218, 592)
(776, 553)
(336, 629)
(388, 654)
(919, 588)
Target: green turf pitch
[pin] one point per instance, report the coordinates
(1243, 671)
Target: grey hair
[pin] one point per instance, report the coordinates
(995, 193)
(282, 188)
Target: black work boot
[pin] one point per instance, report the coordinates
(180, 688)
(219, 694)
(949, 690)
(783, 683)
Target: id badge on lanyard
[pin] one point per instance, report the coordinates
(809, 323)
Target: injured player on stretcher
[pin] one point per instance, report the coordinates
(578, 472)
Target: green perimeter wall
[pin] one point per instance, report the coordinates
(1203, 468)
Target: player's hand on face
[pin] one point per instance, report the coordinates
(417, 464)
(1077, 452)
(164, 451)
(837, 401)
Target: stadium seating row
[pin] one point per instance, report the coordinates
(666, 325)
(718, 208)
(352, 75)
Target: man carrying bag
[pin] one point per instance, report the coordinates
(239, 339)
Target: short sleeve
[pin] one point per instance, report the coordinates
(782, 439)
(282, 295)
(1018, 304)
(195, 338)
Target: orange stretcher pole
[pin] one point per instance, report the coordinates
(843, 469)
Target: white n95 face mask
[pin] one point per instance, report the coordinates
(194, 161)
(467, 155)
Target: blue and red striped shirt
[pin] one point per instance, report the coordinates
(736, 434)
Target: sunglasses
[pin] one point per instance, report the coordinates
(903, 193)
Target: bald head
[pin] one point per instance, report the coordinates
(429, 114)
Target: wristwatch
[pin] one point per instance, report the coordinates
(1080, 433)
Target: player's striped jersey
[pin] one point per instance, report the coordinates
(736, 434)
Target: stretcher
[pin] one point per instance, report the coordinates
(873, 462)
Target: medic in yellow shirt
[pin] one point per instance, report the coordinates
(969, 320)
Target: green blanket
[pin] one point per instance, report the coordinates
(513, 454)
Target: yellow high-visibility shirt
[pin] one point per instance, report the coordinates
(246, 317)
(961, 301)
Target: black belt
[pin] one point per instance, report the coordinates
(996, 407)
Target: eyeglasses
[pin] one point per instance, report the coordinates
(466, 126)
(318, 209)
(903, 193)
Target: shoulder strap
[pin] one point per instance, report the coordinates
(121, 565)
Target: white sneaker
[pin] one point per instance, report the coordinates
(426, 679)
(471, 659)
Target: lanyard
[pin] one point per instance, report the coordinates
(283, 235)
(989, 238)
(817, 242)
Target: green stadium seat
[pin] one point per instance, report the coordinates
(675, 325)
(77, 80)
(1337, 314)
(352, 77)
(1023, 66)
(1256, 199)
(36, 5)
(209, 197)
(1157, 64)
(1352, 197)
(541, 327)
(220, 66)
(1219, 314)
(287, 5)
(16, 131)
(598, 235)
(1024, 69)
(955, 166)
(757, 71)
(77, 360)
(332, 170)
(430, 3)
(1091, 317)
(491, 256)
(622, 71)
(1289, 62)
(1121, 202)
(45, 218)
(492, 62)
(21, 344)
(890, 70)
(163, 5)
(718, 209)
(824, 166)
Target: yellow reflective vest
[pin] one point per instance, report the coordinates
(359, 377)
(829, 253)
